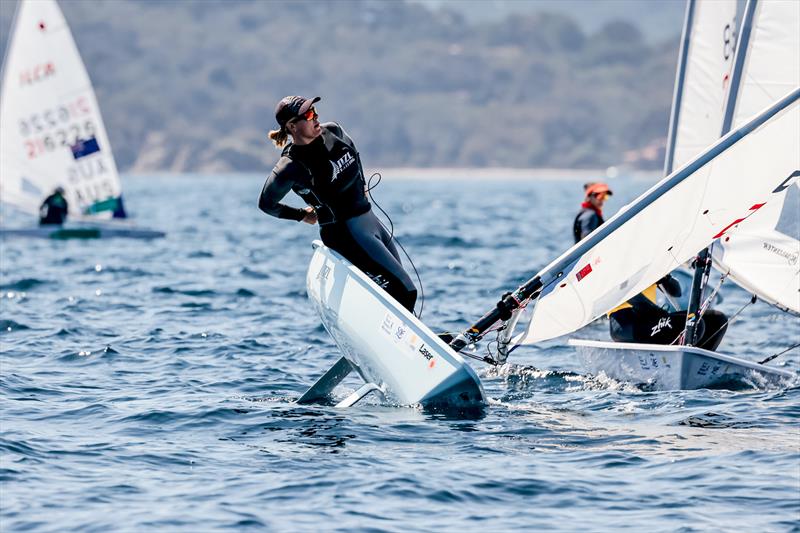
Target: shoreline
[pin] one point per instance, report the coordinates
(447, 174)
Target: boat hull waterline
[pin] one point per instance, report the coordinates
(671, 367)
(93, 231)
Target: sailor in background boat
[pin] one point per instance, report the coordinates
(54, 208)
(322, 166)
(590, 216)
(642, 320)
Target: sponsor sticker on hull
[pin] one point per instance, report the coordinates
(410, 343)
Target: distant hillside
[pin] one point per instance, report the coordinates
(191, 86)
(656, 19)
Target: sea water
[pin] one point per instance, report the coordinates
(149, 385)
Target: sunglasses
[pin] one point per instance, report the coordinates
(308, 116)
(600, 195)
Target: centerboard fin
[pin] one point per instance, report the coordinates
(325, 384)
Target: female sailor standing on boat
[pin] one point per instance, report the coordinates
(322, 166)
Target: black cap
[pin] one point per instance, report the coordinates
(292, 107)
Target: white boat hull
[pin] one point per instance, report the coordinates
(384, 343)
(660, 367)
(82, 231)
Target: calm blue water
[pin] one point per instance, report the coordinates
(149, 386)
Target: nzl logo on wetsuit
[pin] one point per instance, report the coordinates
(338, 166)
(662, 323)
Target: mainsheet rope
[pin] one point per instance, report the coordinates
(370, 186)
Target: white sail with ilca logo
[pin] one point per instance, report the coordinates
(51, 131)
(711, 196)
(763, 256)
(706, 58)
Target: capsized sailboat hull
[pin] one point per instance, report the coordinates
(670, 367)
(385, 344)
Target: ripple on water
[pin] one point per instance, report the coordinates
(7, 326)
(106, 353)
(716, 420)
(200, 254)
(185, 292)
(254, 274)
(24, 284)
(20, 450)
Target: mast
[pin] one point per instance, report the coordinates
(677, 95)
(702, 263)
(738, 64)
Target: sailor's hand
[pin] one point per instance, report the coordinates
(311, 215)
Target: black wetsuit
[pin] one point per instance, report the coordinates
(327, 175)
(586, 222)
(53, 210)
(646, 322)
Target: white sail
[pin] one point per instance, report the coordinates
(770, 58)
(703, 77)
(711, 196)
(51, 131)
(763, 257)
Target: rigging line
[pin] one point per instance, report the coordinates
(771, 357)
(704, 308)
(701, 286)
(707, 302)
(484, 359)
(370, 186)
(495, 360)
(752, 301)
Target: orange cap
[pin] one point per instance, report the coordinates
(598, 188)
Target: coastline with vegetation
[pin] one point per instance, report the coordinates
(191, 86)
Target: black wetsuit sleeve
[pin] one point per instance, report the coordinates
(278, 184)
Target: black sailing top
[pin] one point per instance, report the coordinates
(326, 173)
(588, 219)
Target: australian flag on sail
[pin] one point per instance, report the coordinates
(84, 147)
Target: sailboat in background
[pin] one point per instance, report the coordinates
(712, 95)
(52, 134)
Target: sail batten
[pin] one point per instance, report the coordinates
(51, 130)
